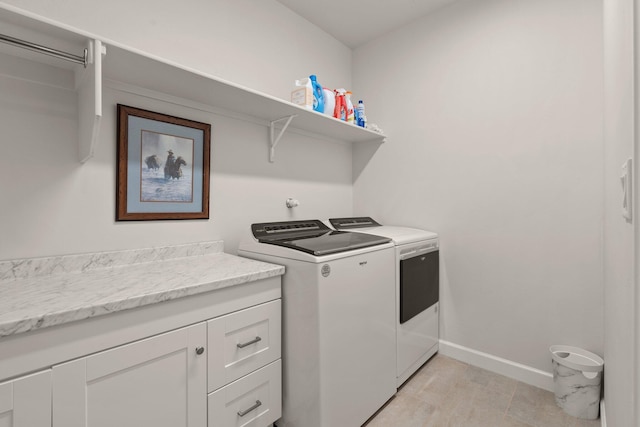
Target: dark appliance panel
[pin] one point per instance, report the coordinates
(419, 284)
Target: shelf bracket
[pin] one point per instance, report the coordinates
(273, 140)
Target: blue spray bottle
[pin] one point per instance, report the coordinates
(318, 95)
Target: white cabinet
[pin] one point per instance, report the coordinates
(159, 381)
(163, 381)
(167, 364)
(26, 401)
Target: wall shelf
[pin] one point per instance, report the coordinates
(133, 67)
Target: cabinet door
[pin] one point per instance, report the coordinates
(26, 401)
(159, 381)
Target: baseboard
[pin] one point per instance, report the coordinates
(508, 368)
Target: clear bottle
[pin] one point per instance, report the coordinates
(350, 112)
(362, 118)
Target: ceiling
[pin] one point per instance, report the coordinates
(355, 22)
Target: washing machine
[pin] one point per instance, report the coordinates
(339, 334)
(417, 283)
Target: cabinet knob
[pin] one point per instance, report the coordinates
(199, 350)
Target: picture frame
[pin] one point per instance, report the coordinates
(163, 166)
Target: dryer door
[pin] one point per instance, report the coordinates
(419, 282)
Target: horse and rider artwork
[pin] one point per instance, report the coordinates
(163, 166)
(170, 178)
(172, 167)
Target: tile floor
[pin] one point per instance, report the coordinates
(446, 392)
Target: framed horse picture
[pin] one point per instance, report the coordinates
(163, 166)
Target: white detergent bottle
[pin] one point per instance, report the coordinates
(362, 118)
(329, 101)
(302, 93)
(350, 111)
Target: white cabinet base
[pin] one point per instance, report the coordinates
(148, 366)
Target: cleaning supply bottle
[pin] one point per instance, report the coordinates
(302, 93)
(362, 118)
(329, 101)
(350, 112)
(340, 111)
(318, 97)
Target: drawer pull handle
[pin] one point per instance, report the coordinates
(253, 341)
(246, 411)
(199, 350)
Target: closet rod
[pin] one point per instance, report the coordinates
(46, 50)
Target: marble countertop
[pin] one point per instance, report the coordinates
(43, 292)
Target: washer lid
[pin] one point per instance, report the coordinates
(313, 237)
(399, 235)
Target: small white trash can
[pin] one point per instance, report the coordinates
(577, 380)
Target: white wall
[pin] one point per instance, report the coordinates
(619, 304)
(494, 114)
(51, 204)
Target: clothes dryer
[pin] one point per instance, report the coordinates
(417, 283)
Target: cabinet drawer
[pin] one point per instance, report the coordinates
(254, 400)
(241, 342)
